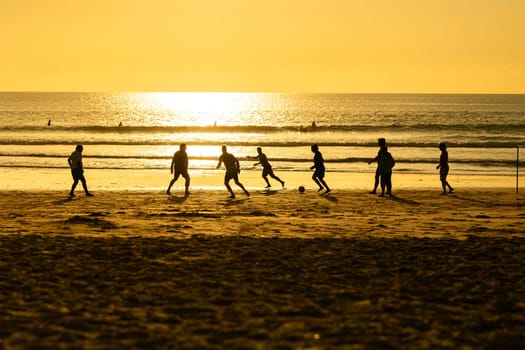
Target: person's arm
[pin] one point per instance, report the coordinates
(442, 161)
(220, 163)
(258, 157)
(316, 162)
(172, 166)
(80, 163)
(372, 160)
(238, 165)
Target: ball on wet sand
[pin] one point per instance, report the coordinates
(300, 189)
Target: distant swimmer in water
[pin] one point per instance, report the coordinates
(443, 169)
(233, 170)
(179, 166)
(267, 168)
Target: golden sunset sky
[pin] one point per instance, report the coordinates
(421, 46)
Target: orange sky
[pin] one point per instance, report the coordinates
(456, 46)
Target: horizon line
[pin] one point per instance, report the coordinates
(263, 92)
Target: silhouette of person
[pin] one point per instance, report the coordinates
(179, 166)
(443, 168)
(120, 125)
(49, 122)
(267, 168)
(314, 125)
(380, 142)
(233, 170)
(318, 175)
(385, 163)
(77, 171)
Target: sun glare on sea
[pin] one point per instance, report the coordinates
(209, 110)
(202, 108)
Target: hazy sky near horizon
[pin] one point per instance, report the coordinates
(430, 46)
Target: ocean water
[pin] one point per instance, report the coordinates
(482, 131)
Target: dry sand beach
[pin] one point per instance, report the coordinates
(277, 270)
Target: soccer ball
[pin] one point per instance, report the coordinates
(300, 189)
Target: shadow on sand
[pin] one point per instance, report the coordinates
(487, 203)
(330, 197)
(63, 201)
(235, 201)
(177, 199)
(402, 200)
(269, 192)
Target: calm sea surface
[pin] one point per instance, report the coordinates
(481, 131)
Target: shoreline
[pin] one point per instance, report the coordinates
(38, 179)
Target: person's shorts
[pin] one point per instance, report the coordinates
(385, 174)
(78, 174)
(231, 174)
(443, 172)
(319, 174)
(267, 171)
(184, 174)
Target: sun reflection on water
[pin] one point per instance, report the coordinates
(198, 108)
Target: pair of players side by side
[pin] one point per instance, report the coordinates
(179, 167)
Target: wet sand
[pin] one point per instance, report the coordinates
(30, 179)
(277, 270)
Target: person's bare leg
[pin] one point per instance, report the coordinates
(72, 192)
(318, 183)
(169, 187)
(84, 185)
(325, 185)
(242, 187)
(187, 185)
(228, 187)
(281, 181)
